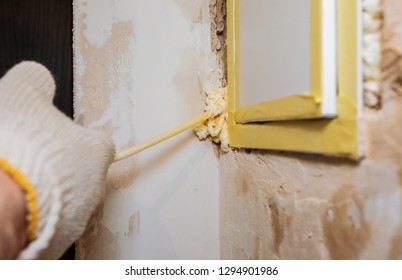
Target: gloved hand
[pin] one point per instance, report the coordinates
(61, 166)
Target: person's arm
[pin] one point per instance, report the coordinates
(12, 216)
(59, 166)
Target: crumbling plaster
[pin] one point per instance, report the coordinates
(293, 206)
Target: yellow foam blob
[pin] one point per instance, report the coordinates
(216, 127)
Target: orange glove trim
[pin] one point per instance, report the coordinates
(29, 189)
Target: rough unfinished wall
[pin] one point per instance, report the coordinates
(292, 206)
(141, 67)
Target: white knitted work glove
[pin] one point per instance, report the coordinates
(61, 166)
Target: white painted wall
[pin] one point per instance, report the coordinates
(141, 67)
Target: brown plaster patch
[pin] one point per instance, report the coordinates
(104, 68)
(122, 174)
(277, 226)
(345, 235)
(97, 242)
(392, 69)
(392, 23)
(383, 133)
(134, 224)
(396, 245)
(279, 223)
(244, 188)
(257, 247)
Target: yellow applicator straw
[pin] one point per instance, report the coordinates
(211, 124)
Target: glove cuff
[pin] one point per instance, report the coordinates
(30, 196)
(31, 159)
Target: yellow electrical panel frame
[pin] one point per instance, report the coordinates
(337, 136)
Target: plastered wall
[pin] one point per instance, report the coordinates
(293, 206)
(140, 68)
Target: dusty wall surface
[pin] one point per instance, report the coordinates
(292, 206)
(141, 67)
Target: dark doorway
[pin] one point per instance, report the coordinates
(40, 30)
